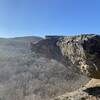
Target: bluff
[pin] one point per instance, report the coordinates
(83, 52)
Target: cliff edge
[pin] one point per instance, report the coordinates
(83, 52)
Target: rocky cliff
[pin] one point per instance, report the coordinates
(83, 52)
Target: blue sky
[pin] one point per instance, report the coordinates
(51, 17)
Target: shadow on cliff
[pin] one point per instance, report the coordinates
(95, 91)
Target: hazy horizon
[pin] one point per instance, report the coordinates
(7, 37)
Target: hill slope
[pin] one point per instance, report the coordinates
(48, 49)
(40, 74)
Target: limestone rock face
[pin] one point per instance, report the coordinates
(83, 51)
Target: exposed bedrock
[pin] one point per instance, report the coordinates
(83, 51)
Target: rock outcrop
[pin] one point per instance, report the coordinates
(83, 51)
(91, 91)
